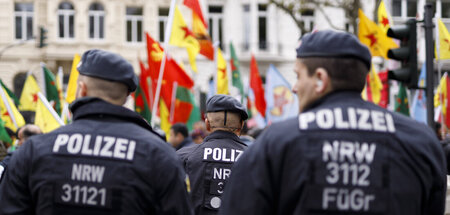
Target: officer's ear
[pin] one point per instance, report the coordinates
(81, 89)
(208, 125)
(323, 83)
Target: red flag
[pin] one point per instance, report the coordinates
(257, 87)
(172, 71)
(384, 101)
(195, 7)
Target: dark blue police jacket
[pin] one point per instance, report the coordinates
(108, 161)
(208, 166)
(342, 155)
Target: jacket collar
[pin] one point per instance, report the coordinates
(87, 107)
(223, 135)
(334, 96)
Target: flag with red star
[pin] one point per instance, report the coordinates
(182, 36)
(373, 37)
(384, 19)
(51, 90)
(401, 100)
(442, 98)
(46, 118)
(29, 96)
(172, 72)
(9, 113)
(236, 80)
(222, 75)
(199, 28)
(444, 42)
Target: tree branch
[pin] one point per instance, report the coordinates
(291, 13)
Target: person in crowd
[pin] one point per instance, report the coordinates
(26, 131)
(247, 139)
(197, 136)
(23, 133)
(107, 161)
(208, 165)
(342, 155)
(179, 136)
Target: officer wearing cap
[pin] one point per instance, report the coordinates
(341, 155)
(208, 165)
(108, 161)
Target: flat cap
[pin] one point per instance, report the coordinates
(329, 43)
(226, 103)
(108, 66)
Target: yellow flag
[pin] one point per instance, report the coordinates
(29, 97)
(222, 76)
(164, 116)
(441, 92)
(46, 117)
(375, 85)
(384, 19)
(373, 37)
(9, 113)
(183, 37)
(72, 86)
(444, 41)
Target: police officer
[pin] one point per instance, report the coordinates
(108, 161)
(208, 165)
(341, 155)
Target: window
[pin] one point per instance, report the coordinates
(163, 13)
(398, 8)
(215, 24)
(411, 8)
(445, 8)
(262, 26)
(23, 13)
(246, 30)
(96, 21)
(66, 20)
(307, 19)
(134, 24)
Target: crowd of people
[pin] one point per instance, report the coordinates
(341, 155)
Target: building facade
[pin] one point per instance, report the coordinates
(72, 27)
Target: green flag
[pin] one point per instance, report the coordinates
(4, 136)
(185, 110)
(51, 90)
(10, 93)
(236, 81)
(195, 113)
(141, 105)
(401, 101)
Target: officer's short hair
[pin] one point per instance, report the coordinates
(217, 120)
(103, 88)
(180, 128)
(338, 70)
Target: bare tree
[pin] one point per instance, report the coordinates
(294, 9)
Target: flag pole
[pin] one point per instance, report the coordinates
(215, 46)
(439, 68)
(44, 88)
(173, 100)
(50, 108)
(8, 108)
(163, 61)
